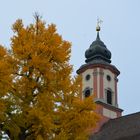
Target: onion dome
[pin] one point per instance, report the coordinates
(97, 51)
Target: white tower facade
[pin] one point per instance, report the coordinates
(99, 78)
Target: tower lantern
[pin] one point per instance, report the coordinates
(99, 78)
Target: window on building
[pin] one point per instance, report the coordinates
(109, 97)
(87, 92)
(108, 78)
(87, 77)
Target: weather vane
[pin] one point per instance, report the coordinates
(99, 21)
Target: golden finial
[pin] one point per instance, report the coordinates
(99, 21)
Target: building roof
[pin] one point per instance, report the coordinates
(122, 128)
(108, 106)
(98, 63)
(98, 51)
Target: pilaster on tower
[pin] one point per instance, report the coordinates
(100, 78)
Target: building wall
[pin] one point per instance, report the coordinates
(109, 85)
(98, 83)
(107, 111)
(110, 114)
(87, 83)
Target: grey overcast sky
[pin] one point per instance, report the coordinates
(76, 22)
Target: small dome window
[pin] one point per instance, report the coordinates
(108, 78)
(87, 77)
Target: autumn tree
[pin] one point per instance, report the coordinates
(5, 83)
(39, 99)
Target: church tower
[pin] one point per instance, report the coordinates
(99, 78)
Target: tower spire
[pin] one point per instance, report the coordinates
(98, 28)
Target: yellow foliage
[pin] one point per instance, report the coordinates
(39, 137)
(39, 99)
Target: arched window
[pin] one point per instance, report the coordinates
(87, 92)
(109, 96)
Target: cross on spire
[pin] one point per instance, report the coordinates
(99, 21)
